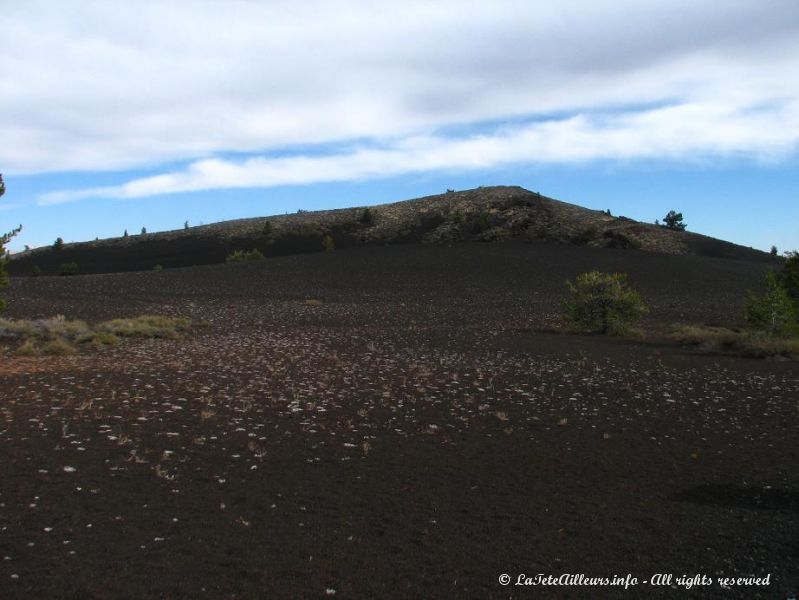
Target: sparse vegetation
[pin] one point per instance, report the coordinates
(755, 344)
(148, 326)
(36, 271)
(244, 255)
(772, 311)
(59, 336)
(674, 220)
(313, 302)
(266, 231)
(328, 245)
(69, 268)
(603, 303)
(158, 267)
(772, 319)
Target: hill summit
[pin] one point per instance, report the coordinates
(485, 214)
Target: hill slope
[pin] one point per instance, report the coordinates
(491, 214)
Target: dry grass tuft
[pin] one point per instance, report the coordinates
(56, 335)
(746, 343)
(148, 326)
(28, 348)
(708, 337)
(58, 347)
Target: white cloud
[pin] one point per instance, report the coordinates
(672, 132)
(92, 85)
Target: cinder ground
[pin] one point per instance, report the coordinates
(416, 436)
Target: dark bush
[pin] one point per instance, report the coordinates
(477, 223)
(586, 235)
(70, 268)
(367, 217)
(617, 239)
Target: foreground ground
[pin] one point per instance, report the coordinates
(418, 434)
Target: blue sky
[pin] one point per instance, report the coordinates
(204, 111)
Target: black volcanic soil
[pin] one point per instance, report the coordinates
(415, 436)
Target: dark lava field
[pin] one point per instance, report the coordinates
(420, 431)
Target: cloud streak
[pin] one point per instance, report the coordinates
(671, 132)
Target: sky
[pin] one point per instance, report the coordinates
(118, 115)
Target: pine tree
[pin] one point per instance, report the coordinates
(673, 220)
(4, 239)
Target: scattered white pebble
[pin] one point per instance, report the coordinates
(69, 469)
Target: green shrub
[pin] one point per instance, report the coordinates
(243, 255)
(771, 311)
(328, 244)
(70, 268)
(36, 271)
(267, 229)
(603, 303)
(158, 268)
